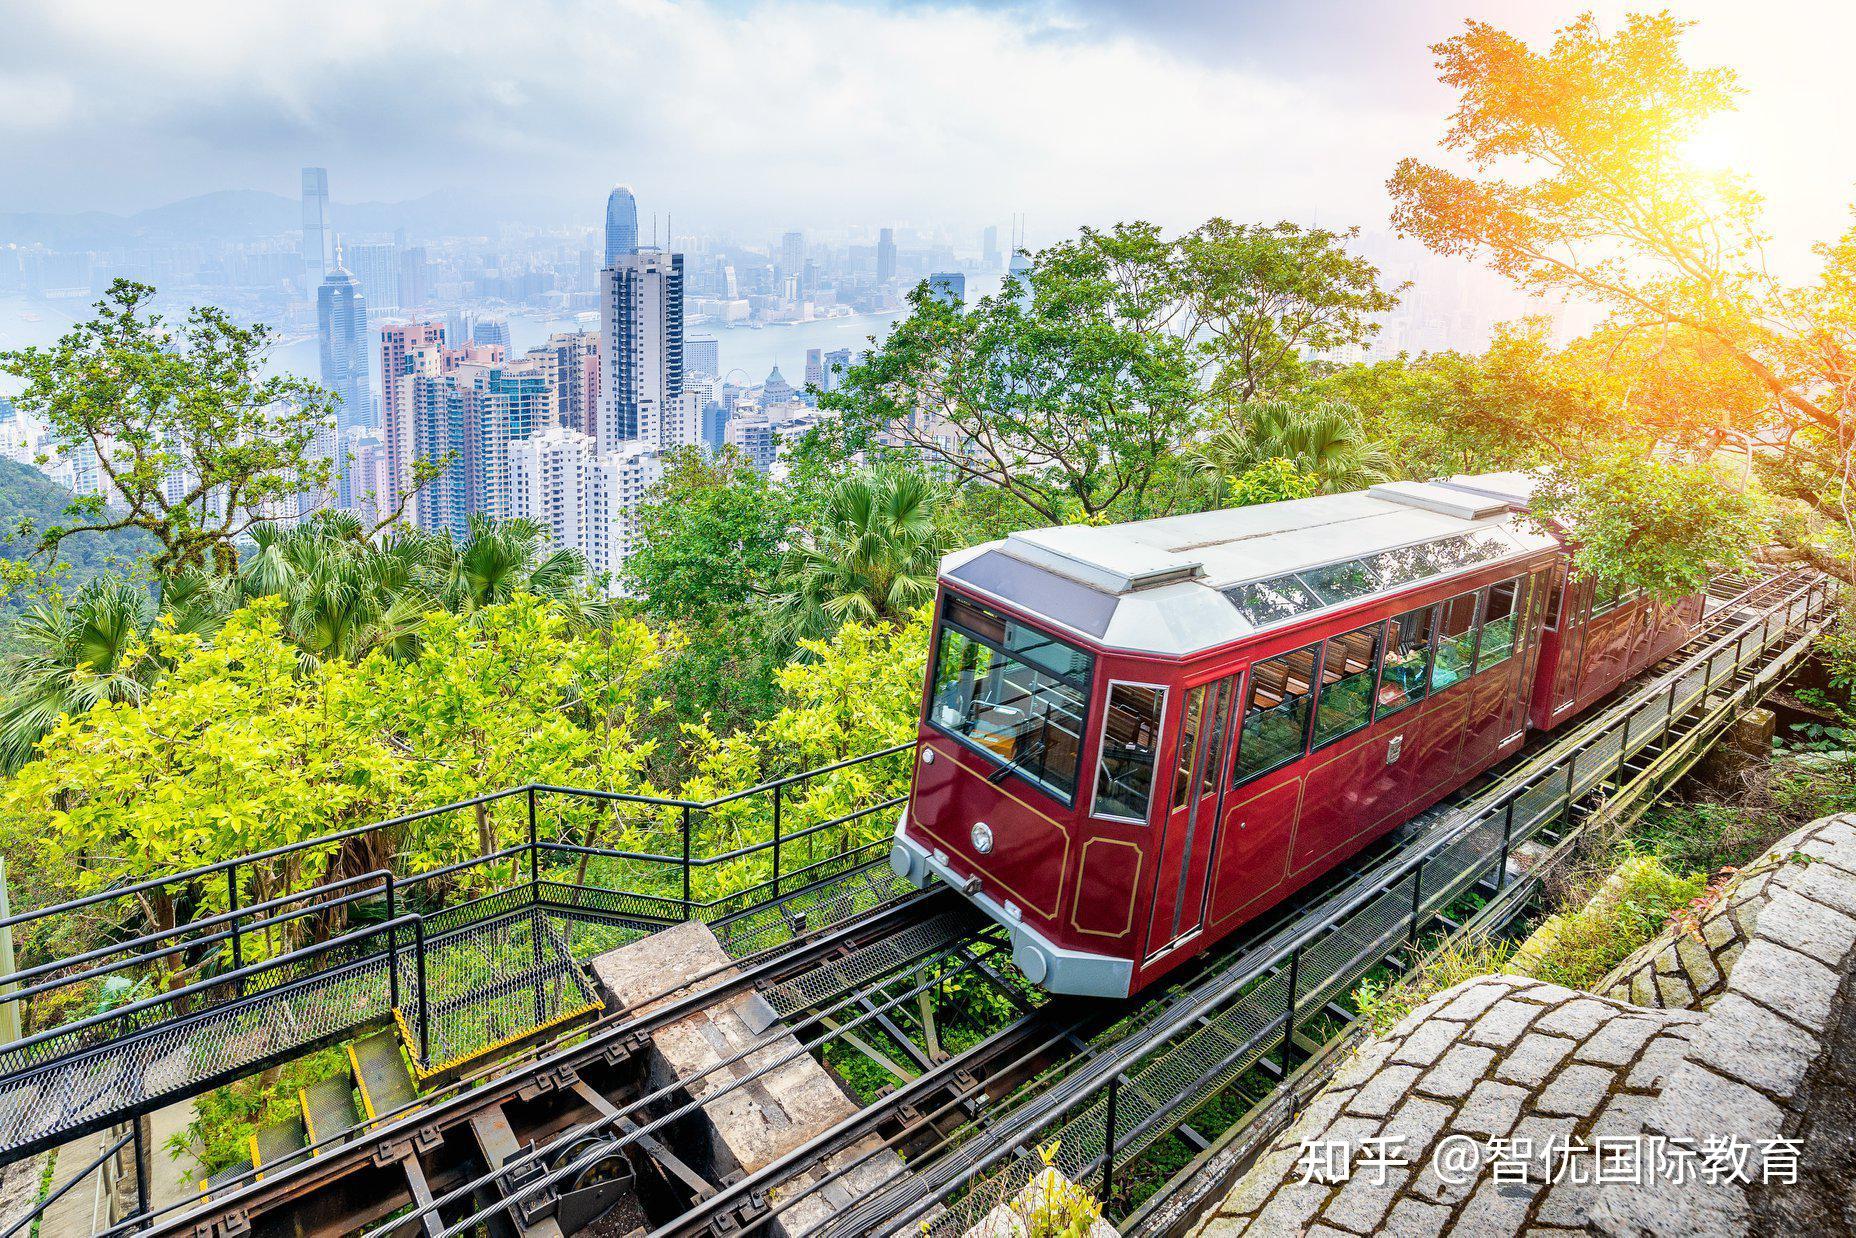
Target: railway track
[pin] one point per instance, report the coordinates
(580, 1116)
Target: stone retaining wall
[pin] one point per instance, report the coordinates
(1536, 1079)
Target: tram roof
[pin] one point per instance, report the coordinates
(1181, 584)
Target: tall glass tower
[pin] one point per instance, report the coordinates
(341, 326)
(621, 223)
(318, 235)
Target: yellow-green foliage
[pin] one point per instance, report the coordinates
(1058, 1207)
(243, 745)
(1382, 1003)
(1578, 947)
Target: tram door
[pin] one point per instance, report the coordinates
(1189, 839)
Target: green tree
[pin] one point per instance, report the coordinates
(1271, 481)
(1054, 390)
(157, 406)
(872, 558)
(1657, 525)
(1259, 298)
(69, 657)
(707, 539)
(237, 749)
(498, 559)
(1572, 180)
(1324, 442)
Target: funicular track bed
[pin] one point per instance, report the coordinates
(964, 1069)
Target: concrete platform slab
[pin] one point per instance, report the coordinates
(757, 1109)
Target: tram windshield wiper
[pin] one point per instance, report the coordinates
(1017, 763)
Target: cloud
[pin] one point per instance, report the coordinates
(766, 111)
(764, 114)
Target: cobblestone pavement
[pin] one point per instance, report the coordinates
(1541, 1066)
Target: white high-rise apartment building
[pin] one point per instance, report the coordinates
(641, 343)
(583, 497)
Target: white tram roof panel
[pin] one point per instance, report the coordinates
(1180, 584)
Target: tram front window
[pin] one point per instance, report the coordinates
(1017, 694)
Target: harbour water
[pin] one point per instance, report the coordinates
(747, 353)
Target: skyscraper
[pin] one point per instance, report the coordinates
(318, 234)
(949, 287)
(571, 359)
(641, 366)
(491, 331)
(702, 354)
(776, 390)
(815, 368)
(398, 343)
(341, 328)
(621, 223)
(989, 245)
(377, 269)
(413, 291)
(886, 255)
(792, 253)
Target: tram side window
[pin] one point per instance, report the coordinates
(1276, 715)
(1191, 723)
(1498, 620)
(1456, 642)
(1605, 597)
(1130, 746)
(1556, 595)
(1348, 670)
(1408, 654)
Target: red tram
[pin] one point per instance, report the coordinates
(1136, 738)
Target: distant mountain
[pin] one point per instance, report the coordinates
(27, 494)
(253, 214)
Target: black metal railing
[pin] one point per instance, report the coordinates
(242, 950)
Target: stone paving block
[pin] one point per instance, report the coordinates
(1673, 990)
(1255, 1187)
(1416, 1123)
(1361, 1204)
(1821, 883)
(1617, 1042)
(1291, 1208)
(1797, 986)
(1825, 934)
(1430, 1188)
(1533, 1059)
(1662, 1055)
(1577, 1018)
(1458, 1071)
(1427, 1042)
(1383, 1093)
(1363, 1063)
(1751, 1044)
(1697, 1103)
(1476, 999)
(1416, 1219)
(1502, 1024)
(1222, 1227)
(1545, 1139)
(1623, 1115)
(1577, 1090)
(1491, 1109)
(1496, 1211)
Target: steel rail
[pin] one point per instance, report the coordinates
(470, 1094)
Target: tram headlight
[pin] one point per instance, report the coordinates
(982, 837)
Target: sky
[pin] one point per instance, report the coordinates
(780, 113)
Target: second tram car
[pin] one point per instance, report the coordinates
(1136, 738)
